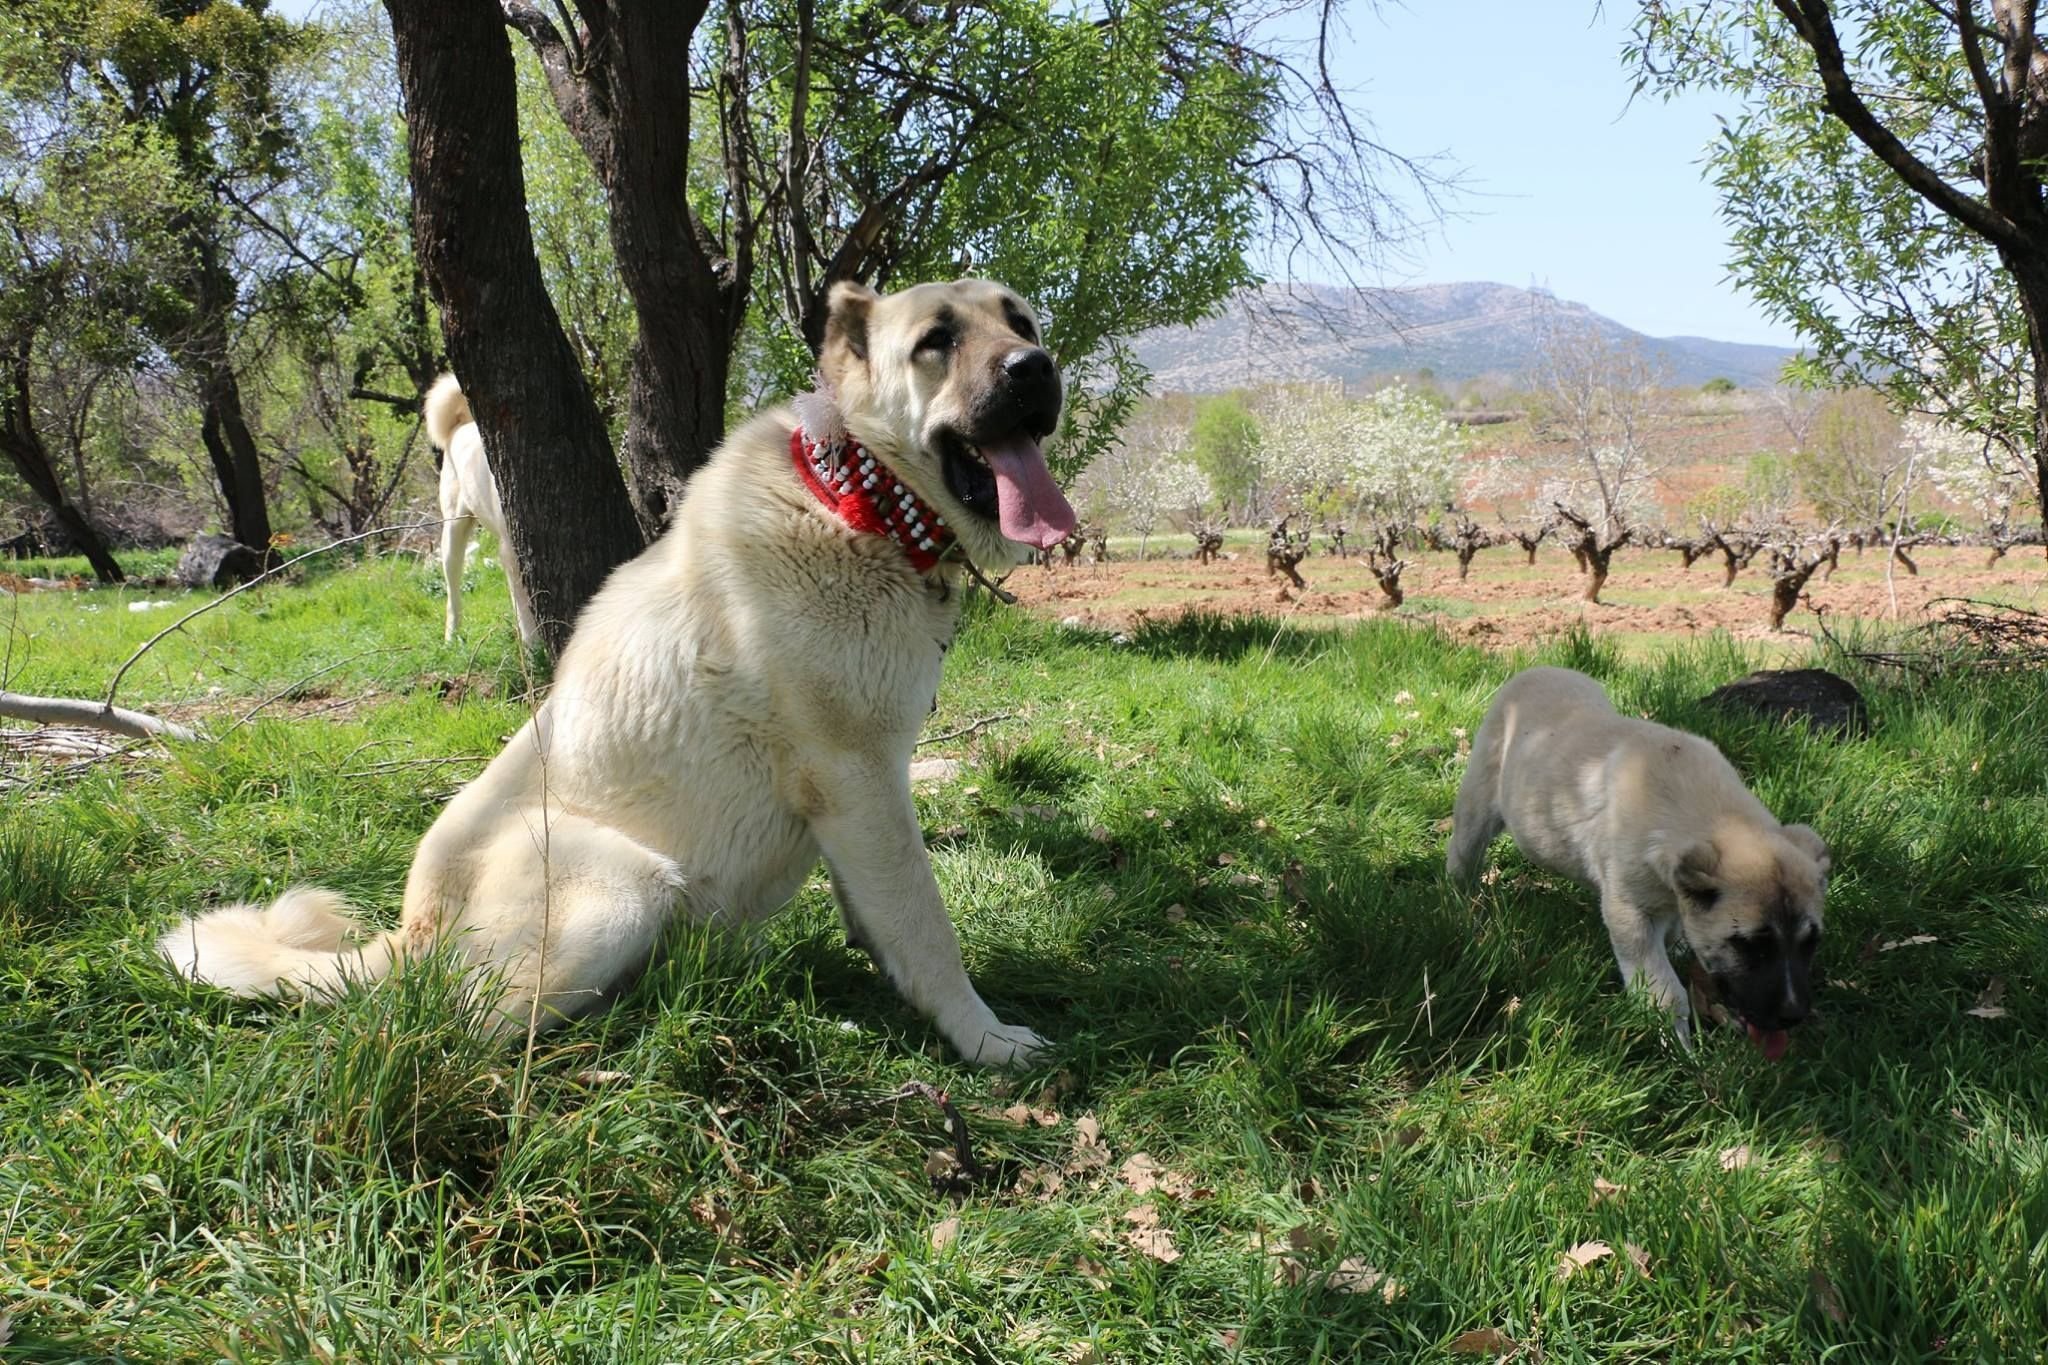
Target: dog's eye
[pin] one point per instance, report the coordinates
(1021, 325)
(938, 339)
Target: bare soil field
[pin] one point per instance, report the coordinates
(1649, 600)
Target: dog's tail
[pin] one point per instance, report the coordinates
(445, 410)
(297, 945)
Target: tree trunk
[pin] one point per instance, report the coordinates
(1596, 572)
(31, 459)
(566, 507)
(225, 432)
(619, 95)
(2033, 291)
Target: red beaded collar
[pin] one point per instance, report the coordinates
(867, 496)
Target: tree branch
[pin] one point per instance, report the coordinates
(1811, 20)
(99, 716)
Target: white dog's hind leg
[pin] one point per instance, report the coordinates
(522, 605)
(568, 911)
(455, 533)
(891, 906)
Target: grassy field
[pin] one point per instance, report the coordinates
(1307, 1104)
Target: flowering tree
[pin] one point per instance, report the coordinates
(1390, 457)
(1142, 482)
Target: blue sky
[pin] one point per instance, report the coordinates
(1569, 186)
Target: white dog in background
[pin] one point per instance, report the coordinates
(738, 701)
(469, 495)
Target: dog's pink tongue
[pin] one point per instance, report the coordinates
(1773, 1043)
(1030, 505)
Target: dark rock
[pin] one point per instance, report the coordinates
(1822, 699)
(212, 561)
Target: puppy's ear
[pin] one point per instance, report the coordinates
(846, 328)
(1802, 837)
(1690, 868)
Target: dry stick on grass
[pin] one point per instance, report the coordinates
(97, 715)
(967, 729)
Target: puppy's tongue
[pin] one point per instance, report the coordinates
(1030, 506)
(1773, 1044)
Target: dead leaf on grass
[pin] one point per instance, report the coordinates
(1039, 1183)
(598, 1077)
(1987, 1006)
(1140, 1172)
(1638, 1258)
(1288, 1271)
(945, 1233)
(1176, 913)
(1699, 988)
(1581, 1256)
(1406, 1136)
(707, 1211)
(1090, 1152)
(1082, 1353)
(1310, 1190)
(1308, 1237)
(1142, 1216)
(1914, 941)
(1228, 1338)
(1354, 1276)
(1154, 1242)
(1605, 1189)
(1737, 1157)
(941, 1163)
(1826, 1297)
(1483, 1341)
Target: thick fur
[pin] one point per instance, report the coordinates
(739, 700)
(1660, 823)
(469, 495)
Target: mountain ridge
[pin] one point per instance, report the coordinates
(1459, 331)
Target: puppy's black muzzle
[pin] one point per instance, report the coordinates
(1773, 1000)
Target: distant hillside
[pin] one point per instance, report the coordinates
(1456, 331)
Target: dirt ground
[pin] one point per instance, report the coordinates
(1648, 598)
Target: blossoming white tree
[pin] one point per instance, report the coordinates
(1389, 457)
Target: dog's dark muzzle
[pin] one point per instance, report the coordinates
(1024, 397)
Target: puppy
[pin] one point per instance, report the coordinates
(469, 495)
(1659, 822)
(740, 700)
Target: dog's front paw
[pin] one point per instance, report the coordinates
(1004, 1045)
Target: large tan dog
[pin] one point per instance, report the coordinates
(469, 495)
(1660, 823)
(741, 698)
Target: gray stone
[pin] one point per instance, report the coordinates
(212, 561)
(1824, 700)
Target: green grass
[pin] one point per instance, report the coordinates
(1205, 861)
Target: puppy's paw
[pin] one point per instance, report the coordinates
(1003, 1045)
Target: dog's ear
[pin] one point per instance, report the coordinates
(1690, 869)
(846, 328)
(1802, 837)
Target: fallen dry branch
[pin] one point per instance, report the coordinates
(97, 715)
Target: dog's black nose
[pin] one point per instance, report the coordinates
(1791, 1012)
(1028, 365)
